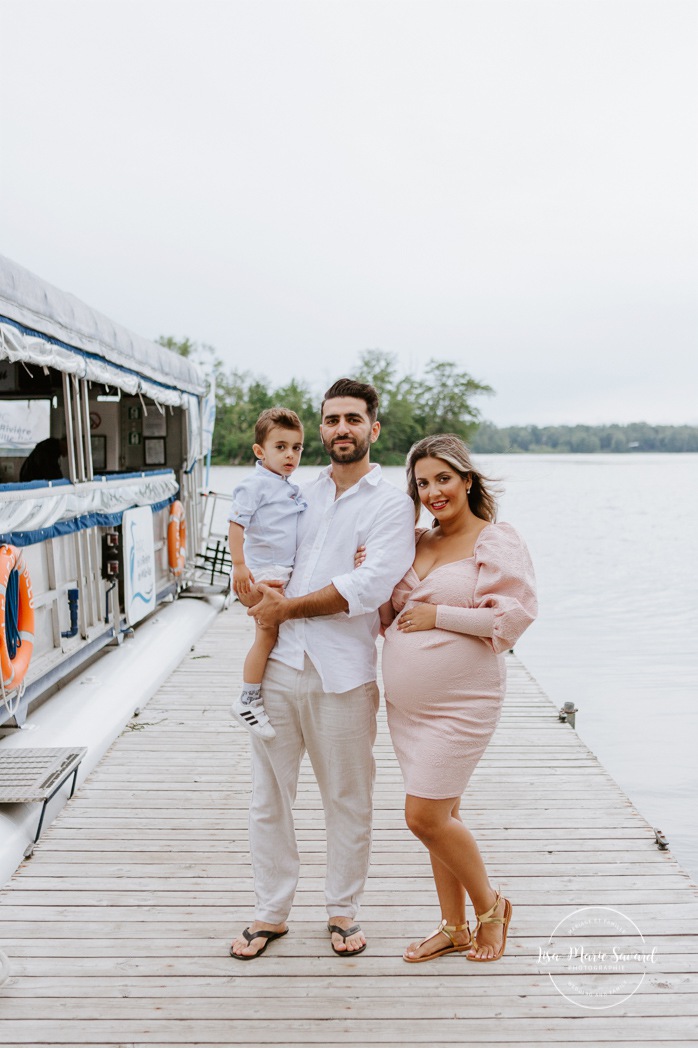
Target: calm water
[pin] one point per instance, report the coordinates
(614, 539)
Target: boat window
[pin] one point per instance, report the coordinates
(25, 426)
(127, 433)
(139, 435)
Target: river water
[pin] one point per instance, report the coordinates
(614, 539)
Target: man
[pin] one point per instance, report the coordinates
(320, 684)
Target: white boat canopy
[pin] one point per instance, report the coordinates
(39, 324)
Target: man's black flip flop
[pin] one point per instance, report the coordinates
(263, 933)
(346, 933)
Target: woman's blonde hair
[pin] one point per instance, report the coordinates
(451, 449)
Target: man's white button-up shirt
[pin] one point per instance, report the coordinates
(375, 514)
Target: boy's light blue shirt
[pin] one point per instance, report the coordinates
(268, 506)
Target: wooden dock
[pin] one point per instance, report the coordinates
(118, 928)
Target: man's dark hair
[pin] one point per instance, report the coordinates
(349, 387)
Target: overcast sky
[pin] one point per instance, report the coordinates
(508, 184)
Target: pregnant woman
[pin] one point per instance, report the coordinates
(467, 598)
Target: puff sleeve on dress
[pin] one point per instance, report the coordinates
(504, 599)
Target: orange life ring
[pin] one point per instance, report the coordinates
(177, 538)
(14, 670)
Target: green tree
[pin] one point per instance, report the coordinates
(184, 346)
(396, 413)
(379, 369)
(412, 407)
(488, 440)
(298, 397)
(446, 399)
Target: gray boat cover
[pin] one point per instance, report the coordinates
(91, 346)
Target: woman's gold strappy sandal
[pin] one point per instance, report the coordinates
(489, 918)
(453, 947)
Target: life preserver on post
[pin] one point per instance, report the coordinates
(177, 538)
(14, 670)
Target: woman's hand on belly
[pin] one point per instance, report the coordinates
(418, 617)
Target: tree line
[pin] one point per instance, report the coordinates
(616, 438)
(441, 400)
(411, 406)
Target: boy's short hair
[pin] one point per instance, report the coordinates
(276, 416)
(349, 387)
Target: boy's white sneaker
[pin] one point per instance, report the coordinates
(254, 718)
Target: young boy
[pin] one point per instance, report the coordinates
(262, 538)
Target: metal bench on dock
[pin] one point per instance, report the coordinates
(37, 775)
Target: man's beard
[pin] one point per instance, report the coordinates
(351, 454)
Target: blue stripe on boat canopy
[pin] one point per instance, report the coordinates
(68, 527)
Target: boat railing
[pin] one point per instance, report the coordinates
(213, 563)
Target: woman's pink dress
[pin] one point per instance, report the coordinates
(444, 687)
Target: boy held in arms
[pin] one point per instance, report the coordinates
(262, 538)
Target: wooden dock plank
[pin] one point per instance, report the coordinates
(622, 1028)
(118, 928)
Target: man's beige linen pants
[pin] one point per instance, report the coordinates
(338, 731)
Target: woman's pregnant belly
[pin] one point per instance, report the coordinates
(430, 671)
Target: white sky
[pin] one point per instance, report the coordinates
(508, 184)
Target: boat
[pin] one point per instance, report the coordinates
(104, 440)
